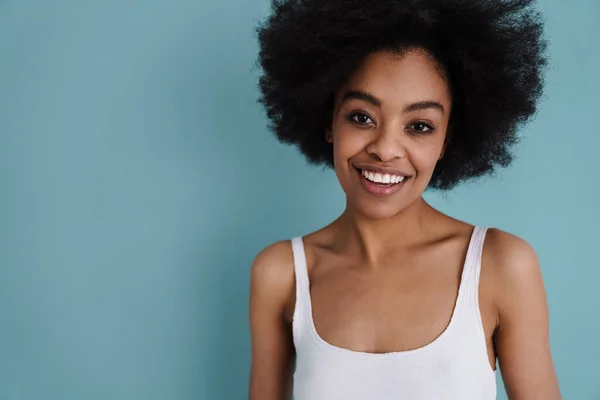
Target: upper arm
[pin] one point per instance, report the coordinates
(522, 338)
(271, 282)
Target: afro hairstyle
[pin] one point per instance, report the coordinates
(492, 53)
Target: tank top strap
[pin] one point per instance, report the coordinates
(301, 311)
(470, 277)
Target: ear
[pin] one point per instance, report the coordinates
(328, 136)
(446, 141)
(442, 152)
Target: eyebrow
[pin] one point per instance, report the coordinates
(369, 98)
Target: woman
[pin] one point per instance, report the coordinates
(394, 299)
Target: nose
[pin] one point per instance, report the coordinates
(388, 144)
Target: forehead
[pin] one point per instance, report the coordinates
(400, 79)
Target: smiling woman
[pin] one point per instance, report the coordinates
(403, 100)
(395, 299)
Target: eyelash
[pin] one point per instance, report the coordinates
(350, 117)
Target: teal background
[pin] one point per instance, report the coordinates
(138, 181)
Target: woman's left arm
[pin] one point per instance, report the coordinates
(522, 339)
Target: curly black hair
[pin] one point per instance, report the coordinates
(492, 51)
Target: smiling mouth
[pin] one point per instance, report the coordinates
(380, 184)
(381, 179)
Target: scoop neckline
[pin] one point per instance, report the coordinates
(399, 353)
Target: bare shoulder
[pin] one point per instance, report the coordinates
(271, 281)
(272, 272)
(509, 256)
(512, 264)
(274, 262)
(521, 340)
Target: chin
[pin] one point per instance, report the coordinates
(376, 210)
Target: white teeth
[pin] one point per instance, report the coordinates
(382, 178)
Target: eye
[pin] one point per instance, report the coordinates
(359, 118)
(422, 127)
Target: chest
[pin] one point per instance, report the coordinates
(394, 309)
(405, 304)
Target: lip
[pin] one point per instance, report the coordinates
(381, 169)
(378, 189)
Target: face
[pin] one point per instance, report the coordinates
(388, 131)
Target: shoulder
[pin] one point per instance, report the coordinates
(513, 266)
(521, 337)
(272, 272)
(508, 255)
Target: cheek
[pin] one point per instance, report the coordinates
(425, 157)
(346, 145)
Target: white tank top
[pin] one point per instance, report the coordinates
(454, 366)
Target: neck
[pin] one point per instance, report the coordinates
(375, 239)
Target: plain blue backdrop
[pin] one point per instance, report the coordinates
(138, 181)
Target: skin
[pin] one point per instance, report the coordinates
(379, 244)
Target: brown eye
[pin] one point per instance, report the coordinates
(359, 118)
(422, 127)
